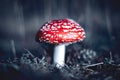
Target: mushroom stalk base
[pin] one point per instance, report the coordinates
(59, 55)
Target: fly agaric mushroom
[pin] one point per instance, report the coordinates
(60, 32)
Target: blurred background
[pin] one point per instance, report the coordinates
(21, 19)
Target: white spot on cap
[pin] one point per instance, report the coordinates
(66, 30)
(51, 36)
(55, 24)
(60, 35)
(64, 36)
(66, 26)
(58, 27)
(55, 41)
(48, 35)
(44, 33)
(74, 29)
(80, 33)
(47, 38)
(52, 27)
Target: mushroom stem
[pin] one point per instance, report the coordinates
(59, 55)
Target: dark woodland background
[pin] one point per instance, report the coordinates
(21, 19)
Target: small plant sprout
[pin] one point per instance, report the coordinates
(60, 32)
(13, 48)
(111, 58)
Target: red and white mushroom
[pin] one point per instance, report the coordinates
(60, 32)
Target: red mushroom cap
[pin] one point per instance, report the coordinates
(60, 31)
